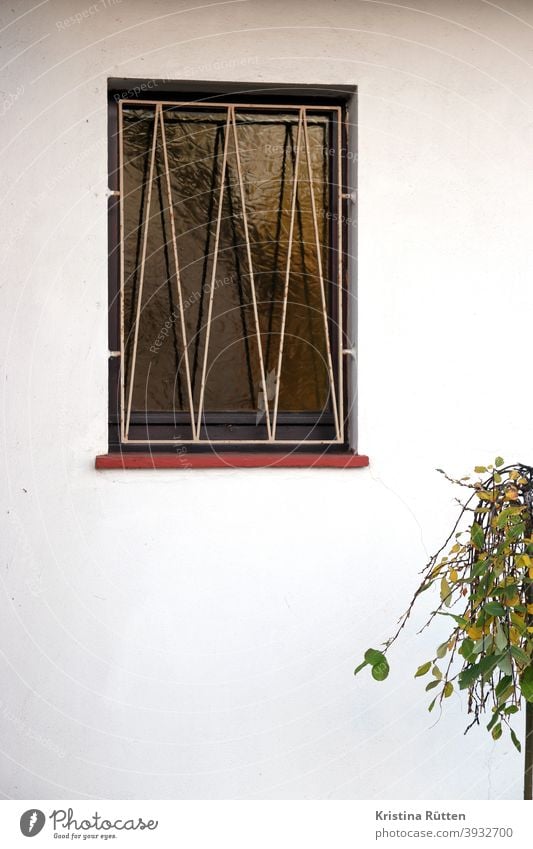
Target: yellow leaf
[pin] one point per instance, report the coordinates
(454, 575)
(531, 572)
(514, 635)
(474, 633)
(530, 608)
(530, 630)
(511, 493)
(512, 602)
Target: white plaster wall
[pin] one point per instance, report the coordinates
(193, 634)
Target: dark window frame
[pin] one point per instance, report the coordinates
(166, 426)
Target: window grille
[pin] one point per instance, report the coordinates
(230, 274)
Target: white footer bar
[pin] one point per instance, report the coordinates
(266, 824)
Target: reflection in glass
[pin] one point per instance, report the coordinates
(195, 139)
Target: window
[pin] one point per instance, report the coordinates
(227, 269)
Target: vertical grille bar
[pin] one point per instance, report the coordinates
(121, 271)
(342, 133)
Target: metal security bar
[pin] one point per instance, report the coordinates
(195, 413)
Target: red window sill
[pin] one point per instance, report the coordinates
(235, 460)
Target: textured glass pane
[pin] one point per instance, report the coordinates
(195, 141)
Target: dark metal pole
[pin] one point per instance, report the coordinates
(528, 753)
(528, 747)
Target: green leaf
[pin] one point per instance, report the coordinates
(511, 709)
(469, 675)
(441, 651)
(493, 721)
(497, 731)
(503, 684)
(505, 664)
(467, 648)
(482, 645)
(494, 608)
(445, 592)
(432, 705)
(479, 567)
(437, 673)
(516, 741)
(518, 622)
(499, 461)
(423, 670)
(373, 656)
(506, 695)
(361, 666)
(432, 684)
(459, 619)
(448, 689)
(477, 536)
(500, 638)
(526, 684)
(515, 531)
(520, 655)
(501, 521)
(480, 470)
(380, 671)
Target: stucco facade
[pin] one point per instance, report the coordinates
(192, 633)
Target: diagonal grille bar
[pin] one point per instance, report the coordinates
(321, 277)
(287, 275)
(251, 271)
(146, 220)
(213, 276)
(178, 276)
